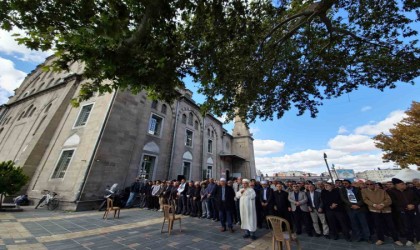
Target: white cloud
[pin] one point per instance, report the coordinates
(382, 126)
(353, 151)
(266, 147)
(10, 79)
(366, 108)
(352, 143)
(342, 130)
(253, 130)
(9, 46)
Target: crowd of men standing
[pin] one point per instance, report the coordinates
(359, 211)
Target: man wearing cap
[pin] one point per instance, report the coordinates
(224, 198)
(246, 196)
(356, 210)
(266, 200)
(405, 202)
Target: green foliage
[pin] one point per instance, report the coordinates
(253, 57)
(402, 144)
(12, 178)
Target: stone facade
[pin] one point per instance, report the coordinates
(112, 138)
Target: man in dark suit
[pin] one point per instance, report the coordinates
(356, 210)
(282, 203)
(316, 210)
(224, 197)
(266, 200)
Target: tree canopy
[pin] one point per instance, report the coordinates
(256, 57)
(402, 144)
(12, 179)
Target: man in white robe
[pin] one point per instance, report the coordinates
(248, 212)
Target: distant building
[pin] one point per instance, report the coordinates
(379, 175)
(112, 138)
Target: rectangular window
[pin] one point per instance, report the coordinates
(210, 146)
(63, 164)
(83, 115)
(147, 166)
(209, 172)
(186, 170)
(155, 125)
(189, 138)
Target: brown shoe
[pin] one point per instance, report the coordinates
(222, 229)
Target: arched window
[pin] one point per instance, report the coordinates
(32, 91)
(8, 120)
(32, 112)
(1, 130)
(21, 115)
(212, 134)
(24, 95)
(190, 118)
(28, 111)
(163, 109)
(196, 125)
(41, 86)
(50, 82)
(208, 132)
(154, 104)
(47, 108)
(184, 118)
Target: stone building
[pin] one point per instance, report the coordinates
(112, 138)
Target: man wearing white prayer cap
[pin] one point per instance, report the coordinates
(246, 196)
(224, 196)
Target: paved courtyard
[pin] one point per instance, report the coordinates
(136, 229)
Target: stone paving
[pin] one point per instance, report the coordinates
(137, 229)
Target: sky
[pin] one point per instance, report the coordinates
(343, 128)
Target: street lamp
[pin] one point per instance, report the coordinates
(328, 167)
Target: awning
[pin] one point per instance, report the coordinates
(231, 157)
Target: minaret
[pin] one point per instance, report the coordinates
(243, 146)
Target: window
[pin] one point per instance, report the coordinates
(212, 134)
(50, 82)
(208, 132)
(154, 104)
(28, 111)
(1, 130)
(196, 125)
(8, 120)
(155, 125)
(184, 118)
(190, 119)
(21, 115)
(40, 87)
(32, 112)
(210, 146)
(47, 108)
(186, 170)
(63, 164)
(163, 109)
(147, 166)
(39, 125)
(209, 172)
(188, 138)
(83, 115)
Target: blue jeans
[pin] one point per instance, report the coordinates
(130, 200)
(359, 226)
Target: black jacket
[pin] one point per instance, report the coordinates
(358, 193)
(269, 194)
(317, 200)
(229, 203)
(281, 200)
(400, 200)
(330, 197)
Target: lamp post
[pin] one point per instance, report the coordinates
(328, 167)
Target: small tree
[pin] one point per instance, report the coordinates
(12, 179)
(402, 145)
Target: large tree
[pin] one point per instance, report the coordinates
(260, 57)
(12, 179)
(402, 144)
